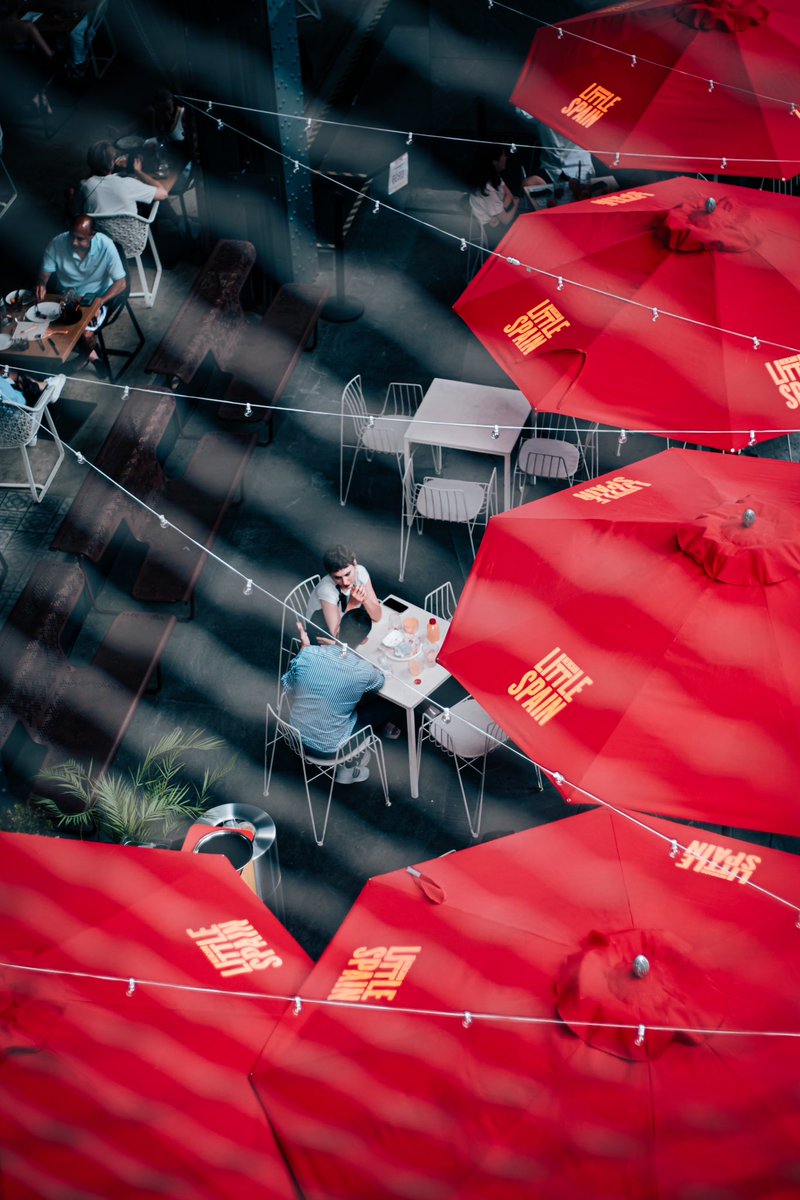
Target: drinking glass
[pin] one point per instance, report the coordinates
(411, 625)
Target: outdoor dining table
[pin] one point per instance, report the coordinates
(407, 683)
(463, 416)
(57, 343)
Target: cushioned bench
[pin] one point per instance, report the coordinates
(210, 319)
(141, 436)
(80, 712)
(268, 353)
(195, 503)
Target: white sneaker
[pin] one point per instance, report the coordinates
(352, 774)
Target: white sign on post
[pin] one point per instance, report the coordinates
(398, 173)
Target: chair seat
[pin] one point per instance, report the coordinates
(353, 745)
(385, 437)
(540, 456)
(450, 499)
(465, 737)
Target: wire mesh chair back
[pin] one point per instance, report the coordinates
(19, 429)
(127, 230)
(315, 767)
(295, 606)
(441, 601)
(132, 233)
(457, 501)
(380, 433)
(18, 425)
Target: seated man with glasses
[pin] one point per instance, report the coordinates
(345, 587)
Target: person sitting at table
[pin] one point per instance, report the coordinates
(345, 587)
(492, 202)
(84, 31)
(87, 262)
(107, 192)
(16, 388)
(325, 687)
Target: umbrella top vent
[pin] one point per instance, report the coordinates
(723, 16)
(732, 546)
(701, 223)
(606, 987)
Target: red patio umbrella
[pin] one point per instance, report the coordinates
(633, 84)
(140, 1088)
(721, 376)
(530, 942)
(637, 636)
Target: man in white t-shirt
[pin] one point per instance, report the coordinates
(106, 192)
(345, 586)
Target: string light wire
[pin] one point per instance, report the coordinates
(194, 102)
(488, 426)
(133, 987)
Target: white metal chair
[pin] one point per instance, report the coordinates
(545, 458)
(294, 609)
(134, 233)
(19, 429)
(591, 450)
(468, 734)
(557, 450)
(378, 433)
(477, 241)
(441, 602)
(458, 501)
(316, 768)
(103, 59)
(9, 195)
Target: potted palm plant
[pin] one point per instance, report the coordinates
(146, 805)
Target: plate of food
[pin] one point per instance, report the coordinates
(405, 650)
(45, 310)
(5, 340)
(20, 296)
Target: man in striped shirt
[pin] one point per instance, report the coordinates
(324, 686)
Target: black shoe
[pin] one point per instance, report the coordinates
(100, 368)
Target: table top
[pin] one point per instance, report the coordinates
(399, 686)
(460, 415)
(57, 344)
